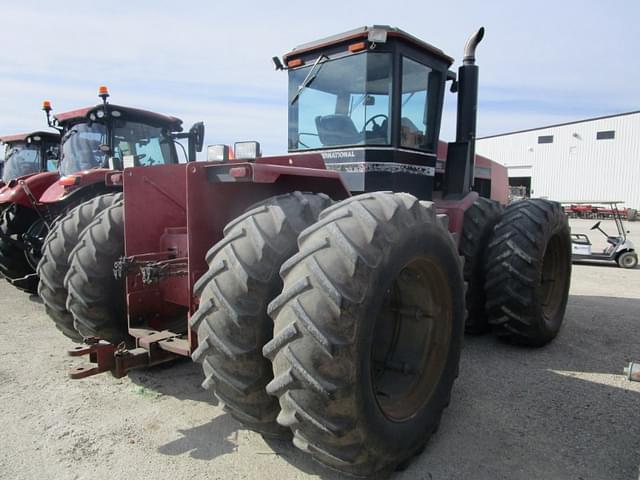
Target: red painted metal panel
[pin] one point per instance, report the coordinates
(178, 211)
(56, 192)
(455, 209)
(499, 183)
(37, 183)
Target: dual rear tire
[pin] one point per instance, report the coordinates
(54, 264)
(367, 330)
(361, 396)
(232, 322)
(96, 299)
(528, 272)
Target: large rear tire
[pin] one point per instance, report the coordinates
(479, 221)
(367, 332)
(232, 321)
(14, 223)
(529, 272)
(96, 299)
(54, 263)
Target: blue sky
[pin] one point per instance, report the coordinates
(541, 62)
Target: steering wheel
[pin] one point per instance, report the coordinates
(300, 142)
(595, 226)
(373, 120)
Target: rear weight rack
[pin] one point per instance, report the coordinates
(153, 348)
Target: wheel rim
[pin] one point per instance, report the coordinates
(34, 237)
(411, 339)
(555, 268)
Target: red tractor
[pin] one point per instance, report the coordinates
(95, 142)
(28, 153)
(25, 156)
(325, 291)
(98, 142)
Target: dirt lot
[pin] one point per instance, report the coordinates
(561, 412)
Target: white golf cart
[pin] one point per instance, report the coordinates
(620, 249)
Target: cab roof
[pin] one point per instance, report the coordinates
(174, 123)
(22, 137)
(363, 33)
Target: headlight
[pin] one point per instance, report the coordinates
(246, 150)
(217, 153)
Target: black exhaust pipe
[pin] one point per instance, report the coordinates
(459, 170)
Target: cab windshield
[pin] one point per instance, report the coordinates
(80, 148)
(20, 159)
(133, 143)
(341, 102)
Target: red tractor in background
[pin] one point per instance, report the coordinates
(323, 290)
(95, 142)
(25, 155)
(28, 153)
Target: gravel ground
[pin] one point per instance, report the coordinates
(561, 412)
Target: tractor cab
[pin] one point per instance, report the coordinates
(114, 137)
(29, 153)
(370, 102)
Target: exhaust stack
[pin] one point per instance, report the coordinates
(459, 169)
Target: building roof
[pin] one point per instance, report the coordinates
(561, 124)
(152, 117)
(22, 137)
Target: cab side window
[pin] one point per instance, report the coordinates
(414, 103)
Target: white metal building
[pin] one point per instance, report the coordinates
(587, 160)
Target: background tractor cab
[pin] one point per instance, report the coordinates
(29, 153)
(97, 140)
(370, 101)
(620, 249)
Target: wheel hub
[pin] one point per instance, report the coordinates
(411, 340)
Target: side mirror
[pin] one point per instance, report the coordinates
(196, 135)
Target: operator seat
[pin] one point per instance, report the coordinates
(337, 130)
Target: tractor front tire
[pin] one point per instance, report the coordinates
(529, 272)
(232, 321)
(96, 299)
(367, 333)
(54, 264)
(14, 222)
(479, 221)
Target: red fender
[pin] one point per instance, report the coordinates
(15, 190)
(58, 190)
